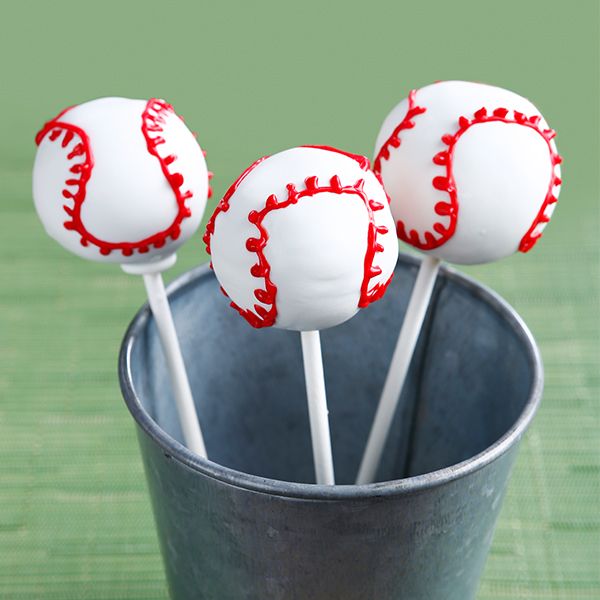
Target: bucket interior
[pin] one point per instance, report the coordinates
(470, 379)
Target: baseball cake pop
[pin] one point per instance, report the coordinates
(472, 171)
(119, 180)
(301, 241)
(473, 175)
(125, 181)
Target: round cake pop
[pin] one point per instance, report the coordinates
(120, 180)
(471, 169)
(303, 239)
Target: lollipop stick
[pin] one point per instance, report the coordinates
(317, 406)
(405, 347)
(184, 401)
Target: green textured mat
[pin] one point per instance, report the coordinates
(252, 78)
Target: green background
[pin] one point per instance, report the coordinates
(253, 78)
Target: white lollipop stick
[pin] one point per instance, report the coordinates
(317, 406)
(159, 304)
(401, 359)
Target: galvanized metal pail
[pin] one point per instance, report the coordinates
(250, 525)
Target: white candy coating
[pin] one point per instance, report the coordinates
(504, 173)
(126, 205)
(316, 246)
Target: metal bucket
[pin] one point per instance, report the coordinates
(237, 528)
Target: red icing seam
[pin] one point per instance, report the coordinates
(263, 317)
(529, 240)
(447, 183)
(223, 205)
(394, 140)
(362, 161)
(153, 118)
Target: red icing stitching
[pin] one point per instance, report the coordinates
(447, 183)
(153, 118)
(223, 205)
(263, 317)
(362, 161)
(529, 240)
(394, 140)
